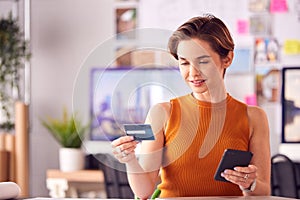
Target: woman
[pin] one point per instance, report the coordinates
(192, 131)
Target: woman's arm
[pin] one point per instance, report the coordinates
(259, 170)
(260, 147)
(143, 172)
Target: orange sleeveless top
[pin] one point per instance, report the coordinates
(196, 136)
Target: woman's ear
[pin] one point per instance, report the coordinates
(228, 59)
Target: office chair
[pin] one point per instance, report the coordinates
(116, 182)
(285, 177)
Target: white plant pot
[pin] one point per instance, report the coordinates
(71, 159)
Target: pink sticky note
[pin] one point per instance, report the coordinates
(251, 99)
(278, 6)
(242, 26)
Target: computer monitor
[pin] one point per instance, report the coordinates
(290, 105)
(124, 95)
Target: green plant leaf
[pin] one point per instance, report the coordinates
(14, 51)
(68, 131)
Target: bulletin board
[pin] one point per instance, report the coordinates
(266, 16)
(169, 14)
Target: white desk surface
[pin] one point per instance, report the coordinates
(233, 197)
(188, 198)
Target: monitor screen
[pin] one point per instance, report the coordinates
(291, 105)
(124, 95)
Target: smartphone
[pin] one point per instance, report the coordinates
(232, 158)
(139, 131)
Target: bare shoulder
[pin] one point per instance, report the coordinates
(166, 106)
(160, 108)
(159, 113)
(258, 119)
(255, 112)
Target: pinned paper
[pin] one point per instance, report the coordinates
(251, 99)
(292, 47)
(278, 6)
(242, 26)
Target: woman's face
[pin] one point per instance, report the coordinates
(201, 67)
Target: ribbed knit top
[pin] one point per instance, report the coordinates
(196, 136)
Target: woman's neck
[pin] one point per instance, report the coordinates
(211, 97)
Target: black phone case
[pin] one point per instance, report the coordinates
(232, 158)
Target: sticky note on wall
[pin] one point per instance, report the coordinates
(278, 6)
(242, 26)
(291, 47)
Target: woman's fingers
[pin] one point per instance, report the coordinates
(242, 176)
(249, 169)
(121, 140)
(123, 148)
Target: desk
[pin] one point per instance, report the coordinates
(63, 184)
(235, 198)
(191, 198)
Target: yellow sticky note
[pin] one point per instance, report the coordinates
(292, 47)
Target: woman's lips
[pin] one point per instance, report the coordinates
(198, 83)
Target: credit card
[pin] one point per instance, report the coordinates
(139, 131)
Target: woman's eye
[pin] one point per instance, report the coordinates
(203, 61)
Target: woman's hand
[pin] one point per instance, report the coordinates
(242, 176)
(124, 148)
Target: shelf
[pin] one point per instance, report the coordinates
(277, 65)
(125, 4)
(95, 176)
(69, 184)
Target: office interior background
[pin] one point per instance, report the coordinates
(70, 37)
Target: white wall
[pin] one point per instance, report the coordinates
(63, 33)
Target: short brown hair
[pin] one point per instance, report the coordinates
(208, 28)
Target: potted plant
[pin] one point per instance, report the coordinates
(14, 51)
(69, 133)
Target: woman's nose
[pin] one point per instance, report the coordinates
(194, 70)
